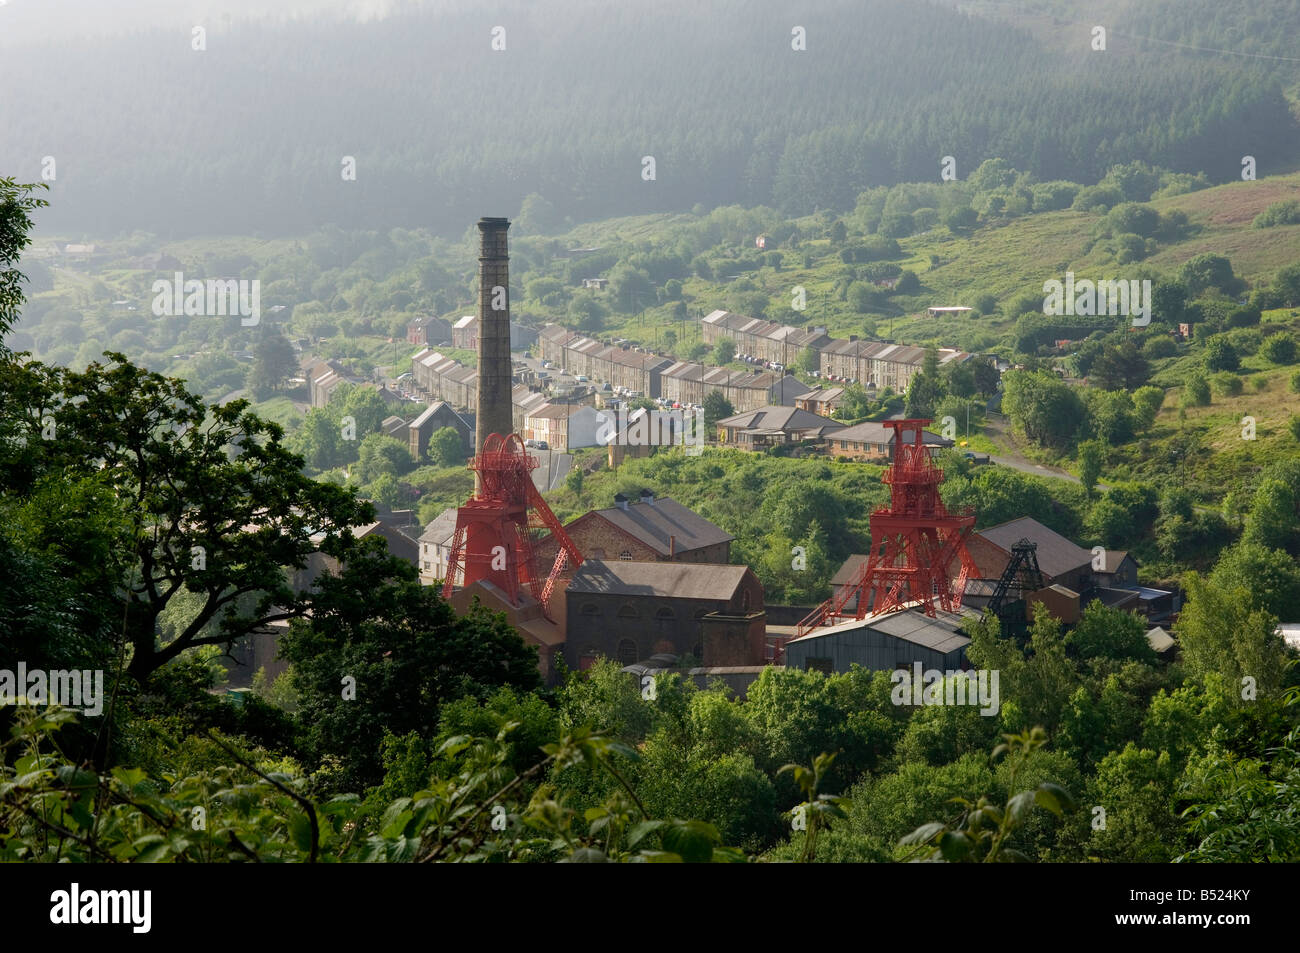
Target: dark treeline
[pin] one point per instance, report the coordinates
(249, 135)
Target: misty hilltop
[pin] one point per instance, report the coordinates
(246, 125)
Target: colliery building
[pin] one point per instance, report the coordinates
(630, 611)
(653, 529)
(885, 642)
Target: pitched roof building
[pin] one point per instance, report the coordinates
(629, 611)
(652, 529)
(771, 426)
(874, 441)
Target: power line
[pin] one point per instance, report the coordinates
(1206, 49)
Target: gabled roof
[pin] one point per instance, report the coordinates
(466, 321)
(442, 529)
(718, 581)
(1056, 554)
(824, 394)
(1113, 559)
(848, 569)
(654, 524)
(784, 419)
(939, 634)
(877, 432)
(434, 410)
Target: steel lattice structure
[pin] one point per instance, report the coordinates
(494, 528)
(915, 543)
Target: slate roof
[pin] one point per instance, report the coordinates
(430, 412)
(850, 568)
(876, 432)
(775, 418)
(442, 529)
(653, 524)
(1056, 554)
(718, 581)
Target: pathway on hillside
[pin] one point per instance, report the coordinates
(998, 429)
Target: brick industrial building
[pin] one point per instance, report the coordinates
(629, 611)
(652, 529)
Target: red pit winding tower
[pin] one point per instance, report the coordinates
(915, 542)
(494, 528)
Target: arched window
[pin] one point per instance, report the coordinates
(598, 553)
(626, 555)
(665, 614)
(626, 611)
(627, 652)
(590, 608)
(698, 651)
(744, 601)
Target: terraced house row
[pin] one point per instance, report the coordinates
(446, 379)
(873, 364)
(621, 366)
(653, 375)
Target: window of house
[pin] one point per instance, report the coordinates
(698, 650)
(590, 608)
(824, 665)
(627, 612)
(744, 601)
(627, 653)
(626, 555)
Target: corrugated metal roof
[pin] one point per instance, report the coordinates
(938, 634)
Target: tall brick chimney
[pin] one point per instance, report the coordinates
(494, 411)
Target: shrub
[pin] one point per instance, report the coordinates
(1196, 392)
(1220, 355)
(1158, 347)
(1227, 384)
(1279, 213)
(1279, 348)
